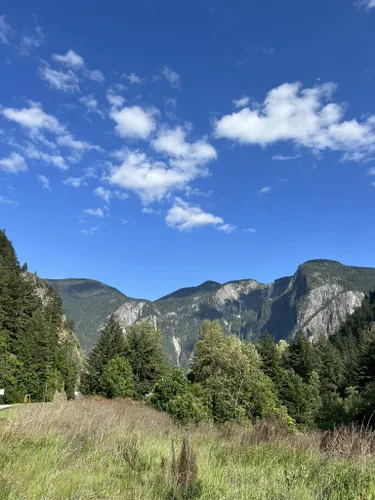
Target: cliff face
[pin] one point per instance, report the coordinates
(316, 299)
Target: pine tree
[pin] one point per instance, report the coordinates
(301, 357)
(144, 351)
(111, 343)
(270, 355)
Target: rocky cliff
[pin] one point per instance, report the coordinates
(316, 299)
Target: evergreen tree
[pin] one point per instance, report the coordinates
(117, 379)
(301, 357)
(270, 356)
(144, 351)
(111, 343)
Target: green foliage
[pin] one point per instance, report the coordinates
(31, 321)
(111, 344)
(188, 408)
(171, 385)
(117, 379)
(230, 372)
(144, 351)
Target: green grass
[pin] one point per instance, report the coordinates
(4, 414)
(122, 450)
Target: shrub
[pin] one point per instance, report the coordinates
(117, 379)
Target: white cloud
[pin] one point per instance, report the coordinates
(5, 31)
(65, 81)
(75, 182)
(285, 158)
(96, 212)
(103, 193)
(147, 210)
(13, 164)
(134, 122)
(185, 217)
(32, 41)
(151, 179)
(267, 50)
(371, 171)
(90, 231)
(365, 4)
(124, 221)
(121, 195)
(133, 79)
(172, 77)
(171, 102)
(91, 104)
(249, 230)
(304, 117)
(242, 102)
(6, 201)
(172, 142)
(71, 59)
(44, 181)
(114, 99)
(227, 228)
(51, 159)
(33, 118)
(96, 75)
(265, 190)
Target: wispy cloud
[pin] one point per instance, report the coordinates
(285, 158)
(365, 4)
(242, 102)
(90, 231)
(103, 193)
(66, 81)
(5, 31)
(134, 79)
(44, 181)
(95, 212)
(6, 201)
(75, 182)
(171, 77)
(249, 230)
(265, 190)
(13, 164)
(31, 41)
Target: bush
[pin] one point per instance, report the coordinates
(173, 384)
(117, 379)
(188, 408)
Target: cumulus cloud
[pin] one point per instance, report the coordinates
(152, 179)
(133, 79)
(114, 99)
(66, 81)
(285, 158)
(103, 193)
(242, 102)
(134, 122)
(172, 142)
(365, 4)
(31, 41)
(265, 190)
(185, 217)
(171, 77)
(33, 118)
(13, 164)
(55, 160)
(5, 31)
(96, 212)
(305, 117)
(44, 181)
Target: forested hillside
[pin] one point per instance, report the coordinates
(39, 355)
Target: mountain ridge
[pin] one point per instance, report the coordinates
(316, 299)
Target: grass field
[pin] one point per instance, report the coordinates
(95, 449)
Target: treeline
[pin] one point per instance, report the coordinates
(38, 355)
(304, 385)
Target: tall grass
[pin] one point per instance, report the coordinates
(94, 449)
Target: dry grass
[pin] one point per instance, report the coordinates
(94, 449)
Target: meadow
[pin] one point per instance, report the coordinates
(95, 448)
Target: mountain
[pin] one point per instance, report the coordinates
(87, 303)
(316, 299)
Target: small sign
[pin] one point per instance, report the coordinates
(2, 391)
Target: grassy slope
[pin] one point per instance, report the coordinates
(121, 449)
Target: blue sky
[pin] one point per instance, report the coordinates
(157, 144)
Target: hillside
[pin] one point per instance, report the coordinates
(316, 299)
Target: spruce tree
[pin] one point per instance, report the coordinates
(111, 343)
